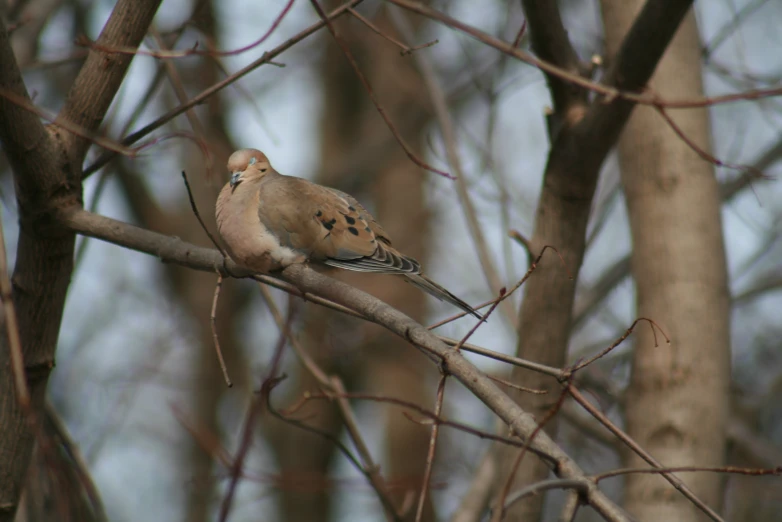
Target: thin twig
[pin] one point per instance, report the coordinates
(12, 330)
(334, 385)
(349, 55)
(431, 418)
(269, 381)
(620, 340)
(532, 268)
(610, 93)
(213, 324)
(735, 470)
(68, 125)
(509, 384)
(675, 481)
(700, 151)
(482, 320)
(438, 409)
(545, 485)
(267, 57)
(168, 54)
(501, 504)
(198, 216)
(445, 122)
(405, 49)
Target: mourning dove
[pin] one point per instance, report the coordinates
(269, 221)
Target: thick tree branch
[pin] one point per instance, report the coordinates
(551, 43)
(24, 138)
(631, 69)
(40, 280)
(102, 74)
(170, 249)
(47, 174)
(574, 164)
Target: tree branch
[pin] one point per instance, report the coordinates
(551, 43)
(47, 174)
(206, 93)
(170, 249)
(41, 268)
(632, 67)
(24, 138)
(102, 73)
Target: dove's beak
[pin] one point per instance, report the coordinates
(235, 179)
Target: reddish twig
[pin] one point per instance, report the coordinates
(610, 93)
(269, 381)
(333, 385)
(83, 41)
(429, 415)
(438, 410)
(206, 93)
(619, 341)
(68, 125)
(754, 172)
(482, 321)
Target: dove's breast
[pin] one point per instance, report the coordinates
(246, 239)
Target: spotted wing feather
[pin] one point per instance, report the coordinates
(328, 226)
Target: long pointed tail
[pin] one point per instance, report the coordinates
(433, 289)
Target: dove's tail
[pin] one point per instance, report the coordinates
(433, 289)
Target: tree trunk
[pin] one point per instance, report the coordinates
(677, 403)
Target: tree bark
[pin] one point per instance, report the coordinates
(582, 134)
(47, 172)
(677, 403)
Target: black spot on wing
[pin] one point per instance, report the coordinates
(318, 213)
(328, 225)
(350, 220)
(353, 231)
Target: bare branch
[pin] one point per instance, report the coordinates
(46, 172)
(545, 485)
(102, 74)
(311, 282)
(266, 58)
(551, 43)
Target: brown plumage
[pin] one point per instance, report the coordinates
(269, 221)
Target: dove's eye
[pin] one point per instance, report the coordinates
(253, 161)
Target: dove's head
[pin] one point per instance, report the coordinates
(247, 165)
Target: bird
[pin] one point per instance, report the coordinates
(269, 221)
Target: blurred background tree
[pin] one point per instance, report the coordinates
(139, 411)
